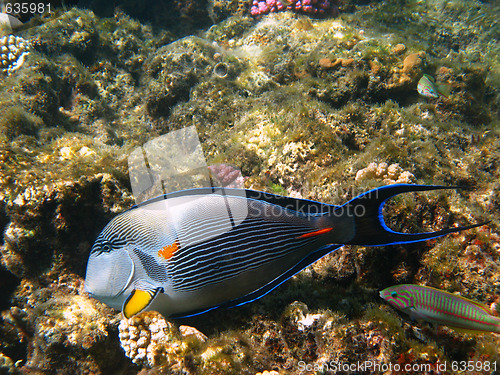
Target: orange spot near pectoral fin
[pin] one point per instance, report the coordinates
(168, 251)
(316, 233)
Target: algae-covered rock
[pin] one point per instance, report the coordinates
(61, 325)
(392, 174)
(17, 121)
(180, 17)
(76, 34)
(7, 366)
(49, 234)
(174, 70)
(221, 10)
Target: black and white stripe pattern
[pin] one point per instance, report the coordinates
(129, 228)
(218, 239)
(247, 246)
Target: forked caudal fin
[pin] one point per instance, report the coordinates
(370, 228)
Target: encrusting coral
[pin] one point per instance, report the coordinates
(392, 174)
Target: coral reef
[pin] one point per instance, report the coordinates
(179, 17)
(26, 249)
(150, 340)
(13, 51)
(174, 72)
(320, 109)
(392, 174)
(226, 175)
(60, 324)
(314, 7)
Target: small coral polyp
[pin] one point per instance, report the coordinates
(260, 7)
(13, 50)
(392, 174)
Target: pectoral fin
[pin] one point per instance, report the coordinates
(138, 301)
(415, 314)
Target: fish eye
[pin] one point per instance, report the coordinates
(394, 294)
(106, 247)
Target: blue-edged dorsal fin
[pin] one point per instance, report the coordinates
(370, 228)
(295, 204)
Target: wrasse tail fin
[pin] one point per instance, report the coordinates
(495, 326)
(370, 228)
(443, 89)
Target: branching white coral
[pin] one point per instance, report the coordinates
(13, 50)
(150, 340)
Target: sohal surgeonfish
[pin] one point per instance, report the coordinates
(191, 251)
(442, 308)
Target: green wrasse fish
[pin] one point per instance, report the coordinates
(194, 250)
(428, 87)
(442, 308)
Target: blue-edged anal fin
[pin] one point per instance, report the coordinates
(138, 300)
(369, 226)
(262, 291)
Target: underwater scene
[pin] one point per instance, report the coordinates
(250, 187)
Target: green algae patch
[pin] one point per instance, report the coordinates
(16, 121)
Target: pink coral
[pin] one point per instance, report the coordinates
(313, 7)
(227, 175)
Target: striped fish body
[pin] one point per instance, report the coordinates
(200, 256)
(191, 251)
(427, 87)
(442, 308)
